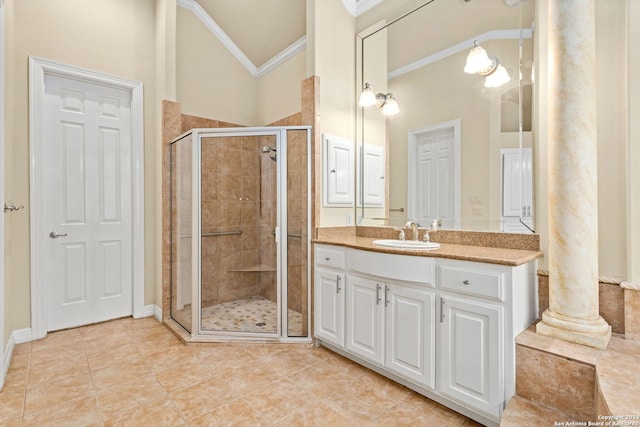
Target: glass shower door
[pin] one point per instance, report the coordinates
(238, 190)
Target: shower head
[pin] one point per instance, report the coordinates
(272, 150)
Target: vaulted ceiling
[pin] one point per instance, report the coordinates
(261, 29)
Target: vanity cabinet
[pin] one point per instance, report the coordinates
(482, 309)
(392, 325)
(469, 352)
(443, 327)
(329, 294)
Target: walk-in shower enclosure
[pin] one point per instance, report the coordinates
(240, 230)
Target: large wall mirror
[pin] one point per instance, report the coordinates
(458, 151)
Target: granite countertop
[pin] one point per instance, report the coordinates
(492, 255)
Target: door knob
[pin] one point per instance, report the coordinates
(55, 235)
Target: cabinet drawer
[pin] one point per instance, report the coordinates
(407, 268)
(469, 279)
(330, 256)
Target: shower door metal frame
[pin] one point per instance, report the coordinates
(281, 232)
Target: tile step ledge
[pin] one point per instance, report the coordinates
(616, 372)
(522, 412)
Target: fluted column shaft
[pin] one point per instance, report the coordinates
(573, 312)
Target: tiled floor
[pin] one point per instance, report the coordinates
(136, 373)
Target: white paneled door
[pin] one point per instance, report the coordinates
(87, 198)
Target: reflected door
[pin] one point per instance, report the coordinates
(432, 176)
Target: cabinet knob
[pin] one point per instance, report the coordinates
(466, 282)
(332, 171)
(327, 258)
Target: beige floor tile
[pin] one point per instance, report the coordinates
(100, 343)
(113, 355)
(372, 392)
(130, 394)
(156, 414)
(19, 362)
(15, 382)
(279, 399)
(11, 405)
(201, 398)
(13, 422)
(290, 362)
(358, 413)
(221, 359)
(249, 378)
(57, 366)
(56, 341)
(120, 373)
(322, 378)
(235, 413)
(137, 373)
(320, 414)
(49, 395)
(80, 411)
(418, 410)
(184, 375)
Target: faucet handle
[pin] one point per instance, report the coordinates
(401, 236)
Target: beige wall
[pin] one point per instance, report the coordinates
(633, 176)
(334, 62)
(110, 36)
(612, 104)
(279, 91)
(225, 89)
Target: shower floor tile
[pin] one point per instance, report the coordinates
(255, 314)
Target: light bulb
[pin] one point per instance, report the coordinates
(390, 107)
(477, 60)
(499, 77)
(367, 97)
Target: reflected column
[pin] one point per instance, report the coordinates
(573, 313)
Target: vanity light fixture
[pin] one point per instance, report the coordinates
(387, 102)
(478, 62)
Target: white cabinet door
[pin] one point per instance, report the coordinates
(329, 306)
(365, 315)
(373, 181)
(338, 171)
(471, 365)
(410, 333)
(517, 188)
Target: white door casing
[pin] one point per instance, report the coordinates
(433, 174)
(97, 200)
(4, 365)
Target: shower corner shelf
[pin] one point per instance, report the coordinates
(255, 268)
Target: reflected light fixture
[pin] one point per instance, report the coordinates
(387, 102)
(478, 62)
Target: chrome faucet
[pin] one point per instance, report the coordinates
(434, 227)
(414, 229)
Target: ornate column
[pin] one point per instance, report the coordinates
(573, 312)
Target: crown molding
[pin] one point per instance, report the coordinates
(208, 21)
(527, 33)
(351, 6)
(358, 7)
(364, 5)
(219, 33)
(282, 57)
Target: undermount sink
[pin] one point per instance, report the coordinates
(406, 244)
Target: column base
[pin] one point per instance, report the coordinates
(592, 333)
